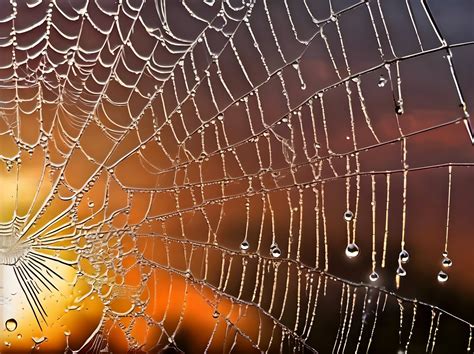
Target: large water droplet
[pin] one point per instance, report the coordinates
(446, 262)
(11, 324)
(404, 256)
(215, 314)
(352, 250)
(442, 277)
(401, 272)
(348, 215)
(275, 251)
(373, 276)
(244, 246)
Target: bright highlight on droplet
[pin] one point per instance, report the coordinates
(275, 251)
(447, 262)
(373, 276)
(404, 256)
(401, 272)
(352, 250)
(382, 81)
(442, 277)
(244, 246)
(11, 324)
(348, 215)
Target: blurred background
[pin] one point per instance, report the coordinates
(278, 176)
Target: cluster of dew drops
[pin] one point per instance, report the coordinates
(352, 251)
(275, 251)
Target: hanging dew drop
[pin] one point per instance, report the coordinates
(401, 272)
(442, 277)
(374, 276)
(348, 215)
(382, 81)
(215, 314)
(404, 256)
(244, 246)
(446, 262)
(399, 108)
(275, 251)
(11, 324)
(352, 250)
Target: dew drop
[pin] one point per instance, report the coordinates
(11, 324)
(446, 262)
(244, 246)
(401, 272)
(275, 251)
(373, 276)
(215, 314)
(404, 256)
(442, 277)
(348, 215)
(352, 250)
(90, 204)
(382, 81)
(399, 108)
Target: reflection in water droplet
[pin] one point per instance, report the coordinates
(399, 108)
(373, 276)
(401, 272)
(275, 251)
(348, 215)
(404, 256)
(382, 81)
(447, 262)
(352, 250)
(244, 246)
(215, 314)
(11, 324)
(442, 276)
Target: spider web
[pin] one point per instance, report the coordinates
(235, 175)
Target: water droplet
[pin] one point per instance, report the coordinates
(215, 314)
(373, 276)
(401, 272)
(399, 108)
(404, 256)
(90, 204)
(382, 81)
(275, 251)
(446, 262)
(348, 215)
(445, 254)
(442, 277)
(11, 324)
(352, 250)
(244, 246)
